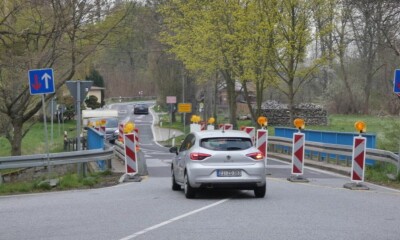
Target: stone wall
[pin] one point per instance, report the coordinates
(278, 114)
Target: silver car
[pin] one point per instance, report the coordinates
(218, 159)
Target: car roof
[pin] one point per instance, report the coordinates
(220, 133)
(101, 118)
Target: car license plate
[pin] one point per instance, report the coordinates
(229, 173)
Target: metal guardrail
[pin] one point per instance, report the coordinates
(119, 150)
(42, 160)
(323, 150)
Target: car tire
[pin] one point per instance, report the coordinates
(259, 192)
(189, 191)
(175, 186)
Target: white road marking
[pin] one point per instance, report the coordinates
(173, 220)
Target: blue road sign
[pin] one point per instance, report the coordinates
(396, 81)
(41, 81)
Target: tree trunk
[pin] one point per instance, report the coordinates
(230, 88)
(16, 139)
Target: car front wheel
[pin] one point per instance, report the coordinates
(175, 186)
(189, 191)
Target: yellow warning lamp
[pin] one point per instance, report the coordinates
(360, 126)
(103, 122)
(98, 124)
(299, 123)
(263, 121)
(195, 119)
(211, 120)
(90, 124)
(129, 127)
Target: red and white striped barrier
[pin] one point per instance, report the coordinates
(121, 132)
(298, 153)
(131, 165)
(262, 141)
(225, 126)
(252, 132)
(210, 127)
(137, 135)
(203, 126)
(358, 159)
(228, 126)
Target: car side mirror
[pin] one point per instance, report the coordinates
(174, 150)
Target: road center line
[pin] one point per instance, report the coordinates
(173, 220)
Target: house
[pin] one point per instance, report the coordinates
(96, 91)
(206, 95)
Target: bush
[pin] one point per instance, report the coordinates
(89, 181)
(69, 181)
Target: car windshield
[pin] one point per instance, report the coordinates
(112, 123)
(226, 144)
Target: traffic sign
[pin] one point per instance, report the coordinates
(84, 87)
(396, 81)
(41, 81)
(184, 107)
(171, 99)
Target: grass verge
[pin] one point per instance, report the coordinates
(66, 182)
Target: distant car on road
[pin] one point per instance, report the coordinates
(141, 108)
(111, 127)
(218, 159)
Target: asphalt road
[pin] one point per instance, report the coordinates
(320, 209)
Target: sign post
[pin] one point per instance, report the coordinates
(41, 82)
(79, 90)
(396, 90)
(396, 81)
(184, 108)
(170, 100)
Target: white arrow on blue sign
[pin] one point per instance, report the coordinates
(396, 81)
(41, 81)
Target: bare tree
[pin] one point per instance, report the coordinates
(41, 34)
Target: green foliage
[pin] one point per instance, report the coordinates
(380, 171)
(34, 143)
(70, 181)
(92, 102)
(97, 79)
(43, 185)
(89, 181)
(12, 188)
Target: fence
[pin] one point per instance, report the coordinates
(43, 160)
(278, 147)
